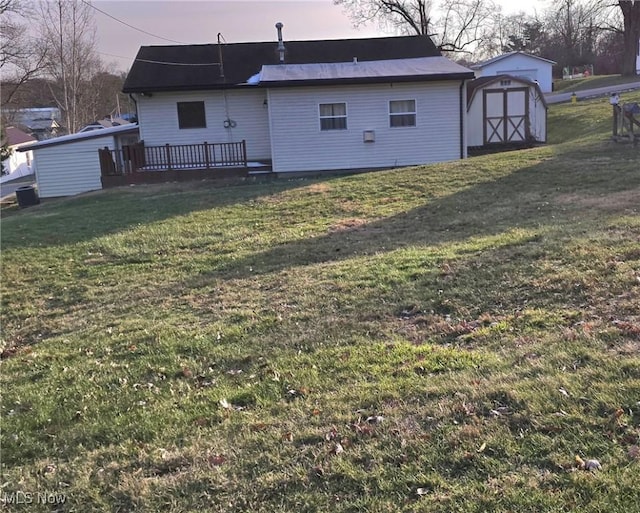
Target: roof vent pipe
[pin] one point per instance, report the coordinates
(279, 26)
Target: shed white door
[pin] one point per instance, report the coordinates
(506, 115)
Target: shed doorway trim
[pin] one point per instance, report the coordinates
(505, 115)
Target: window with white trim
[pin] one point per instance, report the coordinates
(333, 116)
(402, 113)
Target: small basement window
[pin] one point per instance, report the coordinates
(402, 113)
(191, 115)
(333, 116)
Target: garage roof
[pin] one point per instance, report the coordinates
(66, 139)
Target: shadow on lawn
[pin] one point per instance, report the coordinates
(532, 197)
(85, 217)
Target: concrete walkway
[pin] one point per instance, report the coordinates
(592, 93)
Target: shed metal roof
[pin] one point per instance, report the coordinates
(474, 85)
(67, 139)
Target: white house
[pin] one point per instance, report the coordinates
(505, 110)
(519, 64)
(638, 59)
(70, 164)
(303, 106)
(19, 163)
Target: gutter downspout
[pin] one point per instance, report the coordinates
(462, 127)
(135, 103)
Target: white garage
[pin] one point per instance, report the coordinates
(505, 110)
(70, 164)
(519, 64)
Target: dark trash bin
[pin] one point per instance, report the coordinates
(27, 196)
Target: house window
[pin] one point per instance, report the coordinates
(402, 113)
(333, 116)
(505, 82)
(191, 115)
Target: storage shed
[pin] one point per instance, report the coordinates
(505, 110)
(521, 65)
(70, 164)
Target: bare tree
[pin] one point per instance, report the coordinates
(466, 26)
(68, 30)
(631, 14)
(21, 56)
(576, 26)
(407, 16)
(455, 26)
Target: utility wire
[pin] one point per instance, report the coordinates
(117, 56)
(131, 26)
(178, 63)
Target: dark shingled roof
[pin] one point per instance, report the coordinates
(16, 136)
(196, 67)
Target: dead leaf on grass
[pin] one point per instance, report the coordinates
(590, 465)
(215, 460)
(564, 392)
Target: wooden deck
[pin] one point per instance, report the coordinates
(137, 164)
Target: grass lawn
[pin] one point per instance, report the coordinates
(447, 338)
(582, 84)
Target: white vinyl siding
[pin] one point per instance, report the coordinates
(298, 146)
(247, 109)
(475, 113)
(523, 66)
(402, 113)
(333, 116)
(72, 168)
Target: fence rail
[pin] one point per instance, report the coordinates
(140, 158)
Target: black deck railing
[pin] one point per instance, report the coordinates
(140, 158)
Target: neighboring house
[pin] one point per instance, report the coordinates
(519, 64)
(42, 123)
(505, 110)
(19, 163)
(303, 106)
(70, 164)
(104, 123)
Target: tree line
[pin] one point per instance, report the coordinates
(599, 33)
(48, 58)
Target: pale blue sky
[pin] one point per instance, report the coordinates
(238, 20)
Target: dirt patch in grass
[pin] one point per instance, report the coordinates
(344, 225)
(615, 201)
(318, 188)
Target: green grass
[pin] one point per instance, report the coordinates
(428, 339)
(582, 84)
